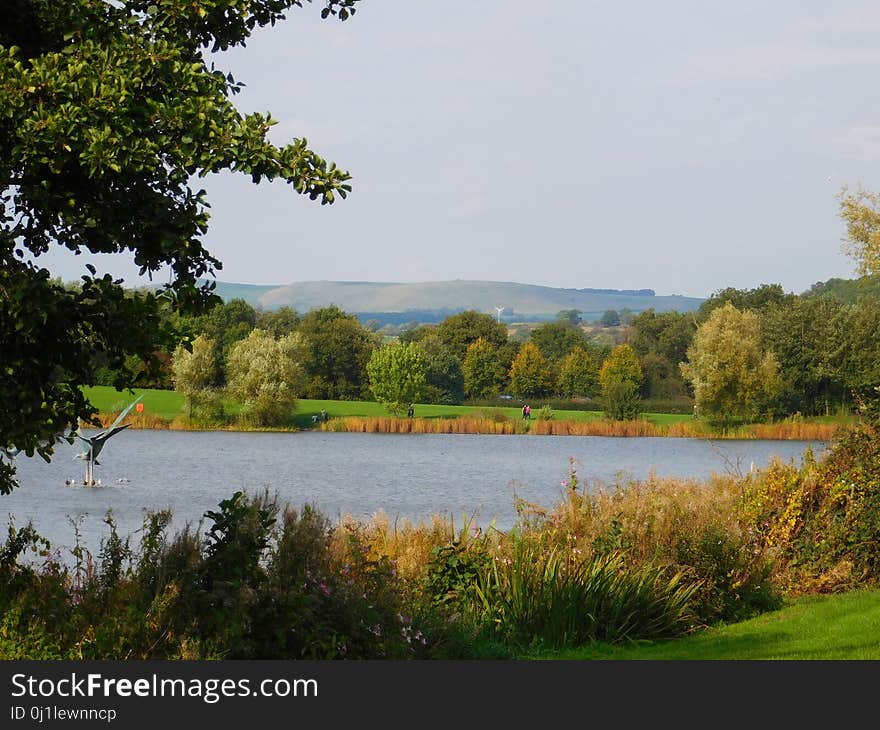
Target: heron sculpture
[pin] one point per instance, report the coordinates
(94, 444)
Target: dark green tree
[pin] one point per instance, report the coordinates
(460, 330)
(444, 382)
(280, 322)
(755, 299)
(610, 318)
(571, 316)
(108, 113)
(337, 350)
(557, 339)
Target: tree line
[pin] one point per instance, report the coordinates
(745, 355)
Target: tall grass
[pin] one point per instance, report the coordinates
(558, 600)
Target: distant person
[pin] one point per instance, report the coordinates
(411, 411)
(324, 416)
(524, 411)
(528, 411)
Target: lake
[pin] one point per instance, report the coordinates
(407, 475)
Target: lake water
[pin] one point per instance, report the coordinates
(406, 475)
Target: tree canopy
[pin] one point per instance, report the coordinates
(734, 378)
(860, 211)
(108, 113)
(620, 378)
(397, 375)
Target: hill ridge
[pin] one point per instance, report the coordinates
(518, 299)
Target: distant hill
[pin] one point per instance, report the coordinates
(521, 302)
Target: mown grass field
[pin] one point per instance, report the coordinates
(838, 627)
(169, 404)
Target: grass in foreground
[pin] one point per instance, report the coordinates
(839, 627)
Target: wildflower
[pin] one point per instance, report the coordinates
(325, 589)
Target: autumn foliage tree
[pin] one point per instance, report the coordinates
(479, 369)
(579, 374)
(530, 373)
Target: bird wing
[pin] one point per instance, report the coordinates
(124, 413)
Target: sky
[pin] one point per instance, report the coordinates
(683, 147)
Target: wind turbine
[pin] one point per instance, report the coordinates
(499, 310)
(94, 444)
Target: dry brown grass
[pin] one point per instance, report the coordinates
(651, 516)
(785, 430)
(137, 420)
(359, 424)
(795, 431)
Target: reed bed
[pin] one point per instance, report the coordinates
(360, 424)
(785, 430)
(795, 431)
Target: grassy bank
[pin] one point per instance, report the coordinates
(839, 627)
(167, 409)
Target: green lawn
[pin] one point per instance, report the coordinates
(818, 627)
(169, 404)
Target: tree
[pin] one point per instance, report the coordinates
(734, 378)
(579, 374)
(556, 339)
(571, 316)
(668, 334)
(195, 374)
(620, 378)
(460, 330)
(661, 342)
(338, 348)
(397, 375)
(809, 338)
(444, 382)
(480, 369)
(264, 377)
(280, 322)
(611, 318)
(860, 212)
(530, 373)
(756, 299)
(109, 111)
(227, 323)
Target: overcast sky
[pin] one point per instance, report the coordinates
(680, 146)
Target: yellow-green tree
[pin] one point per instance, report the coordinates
(734, 378)
(579, 374)
(479, 369)
(530, 373)
(620, 378)
(265, 377)
(397, 375)
(195, 373)
(860, 211)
